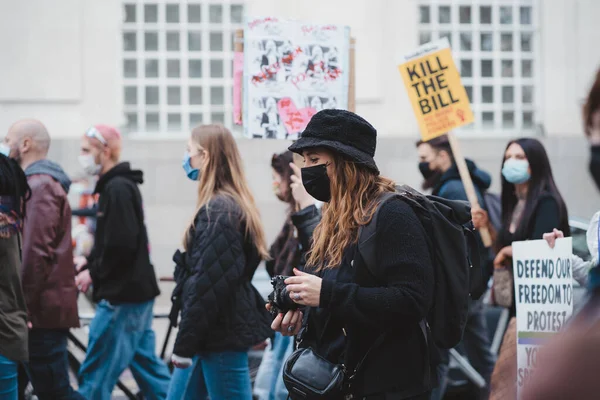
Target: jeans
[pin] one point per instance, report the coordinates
(121, 336)
(477, 346)
(222, 376)
(48, 366)
(181, 386)
(8, 379)
(269, 382)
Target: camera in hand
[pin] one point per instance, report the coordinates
(280, 299)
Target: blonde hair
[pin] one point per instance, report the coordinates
(355, 194)
(224, 174)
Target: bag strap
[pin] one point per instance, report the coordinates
(368, 232)
(375, 344)
(20, 246)
(368, 252)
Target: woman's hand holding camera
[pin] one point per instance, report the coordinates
(288, 324)
(304, 289)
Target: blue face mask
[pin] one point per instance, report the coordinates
(4, 149)
(516, 171)
(192, 173)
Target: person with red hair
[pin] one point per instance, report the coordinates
(123, 277)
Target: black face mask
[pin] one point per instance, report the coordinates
(431, 176)
(595, 165)
(425, 170)
(316, 182)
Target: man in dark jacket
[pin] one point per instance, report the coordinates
(441, 175)
(124, 282)
(47, 273)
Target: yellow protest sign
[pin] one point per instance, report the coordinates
(438, 97)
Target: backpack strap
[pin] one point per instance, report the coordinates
(367, 233)
(367, 249)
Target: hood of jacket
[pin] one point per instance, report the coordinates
(123, 170)
(480, 178)
(47, 167)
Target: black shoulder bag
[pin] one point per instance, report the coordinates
(308, 376)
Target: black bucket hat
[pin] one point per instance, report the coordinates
(342, 132)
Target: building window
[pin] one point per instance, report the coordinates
(177, 63)
(495, 46)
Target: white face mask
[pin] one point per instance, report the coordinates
(89, 165)
(4, 149)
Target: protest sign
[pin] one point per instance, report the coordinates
(439, 100)
(543, 295)
(292, 70)
(441, 104)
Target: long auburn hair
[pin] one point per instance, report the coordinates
(224, 174)
(592, 104)
(355, 194)
(541, 181)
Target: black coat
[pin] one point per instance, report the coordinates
(289, 250)
(120, 261)
(221, 309)
(368, 307)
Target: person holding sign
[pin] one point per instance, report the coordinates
(371, 324)
(438, 167)
(574, 355)
(531, 202)
(440, 173)
(531, 206)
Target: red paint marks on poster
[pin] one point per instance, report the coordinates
(294, 119)
(261, 21)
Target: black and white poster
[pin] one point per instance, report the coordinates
(292, 70)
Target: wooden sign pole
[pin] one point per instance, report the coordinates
(465, 176)
(238, 43)
(352, 77)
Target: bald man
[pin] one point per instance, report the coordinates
(48, 273)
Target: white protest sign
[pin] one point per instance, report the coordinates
(543, 295)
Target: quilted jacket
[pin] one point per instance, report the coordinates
(220, 308)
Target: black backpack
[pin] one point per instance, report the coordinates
(452, 245)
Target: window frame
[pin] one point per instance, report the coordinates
(184, 81)
(476, 55)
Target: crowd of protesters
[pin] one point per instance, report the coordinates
(359, 331)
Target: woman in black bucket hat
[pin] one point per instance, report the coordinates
(353, 317)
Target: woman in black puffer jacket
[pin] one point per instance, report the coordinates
(222, 313)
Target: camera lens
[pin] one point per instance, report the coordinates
(286, 301)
